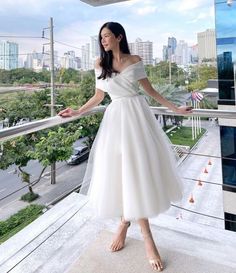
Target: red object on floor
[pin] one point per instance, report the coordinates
(205, 170)
(199, 182)
(191, 200)
(209, 162)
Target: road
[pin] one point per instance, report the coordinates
(11, 182)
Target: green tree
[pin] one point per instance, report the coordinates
(48, 146)
(69, 75)
(199, 75)
(159, 74)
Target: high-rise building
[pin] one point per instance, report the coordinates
(181, 55)
(165, 53)
(78, 63)
(206, 45)
(95, 52)
(47, 61)
(34, 61)
(172, 44)
(86, 63)
(143, 49)
(193, 54)
(69, 60)
(8, 55)
(226, 47)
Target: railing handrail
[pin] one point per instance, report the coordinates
(34, 126)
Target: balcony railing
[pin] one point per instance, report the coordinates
(179, 211)
(38, 125)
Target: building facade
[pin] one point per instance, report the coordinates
(165, 53)
(8, 55)
(143, 49)
(206, 45)
(86, 62)
(226, 58)
(181, 55)
(95, 52)
(172, 44)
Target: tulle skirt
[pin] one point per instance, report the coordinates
(131, 169)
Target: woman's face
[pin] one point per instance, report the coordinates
(108, 39)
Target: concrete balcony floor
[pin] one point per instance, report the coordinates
(68, 239)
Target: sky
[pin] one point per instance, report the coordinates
(75, 21)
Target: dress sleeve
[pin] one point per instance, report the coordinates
(140, 72)
(136, 72)
(99, 83)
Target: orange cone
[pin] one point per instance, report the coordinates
(205, 170)
(209, 162)
(191, 200)
(199, 182)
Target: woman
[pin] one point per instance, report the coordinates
(131, 169)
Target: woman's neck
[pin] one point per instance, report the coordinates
(118, 56)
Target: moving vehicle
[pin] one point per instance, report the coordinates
(81, 153)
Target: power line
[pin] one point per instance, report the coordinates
(207, 155)
(21, 37)
(204, 181)
(23, 54)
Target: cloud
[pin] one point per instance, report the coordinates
(146, 10)
(209, 13)
(199, 17)
(75, 21)
(184, 6)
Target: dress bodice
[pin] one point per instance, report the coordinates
(124, 83)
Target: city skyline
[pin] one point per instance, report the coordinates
(179, 52)
(75, 22)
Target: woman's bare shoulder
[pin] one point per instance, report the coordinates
(135, 58)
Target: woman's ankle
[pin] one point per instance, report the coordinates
(146, 233)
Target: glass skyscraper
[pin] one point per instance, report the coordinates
(225, 14)
(8, 55)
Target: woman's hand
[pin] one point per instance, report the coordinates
(68, 112)
(184, 110)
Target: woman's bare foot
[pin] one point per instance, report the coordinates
(152, 252)
(119, 240)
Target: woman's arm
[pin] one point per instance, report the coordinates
(92, 102)
(158, 97)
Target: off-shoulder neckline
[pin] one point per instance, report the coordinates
(123, 70)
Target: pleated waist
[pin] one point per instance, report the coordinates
(127, 97)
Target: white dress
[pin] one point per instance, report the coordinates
(131, 169)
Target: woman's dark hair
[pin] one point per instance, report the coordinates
(106, 57)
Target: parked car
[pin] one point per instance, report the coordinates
(81, 153)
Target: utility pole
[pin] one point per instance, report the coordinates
(52, 67)
(53, 166)
(52, 105)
